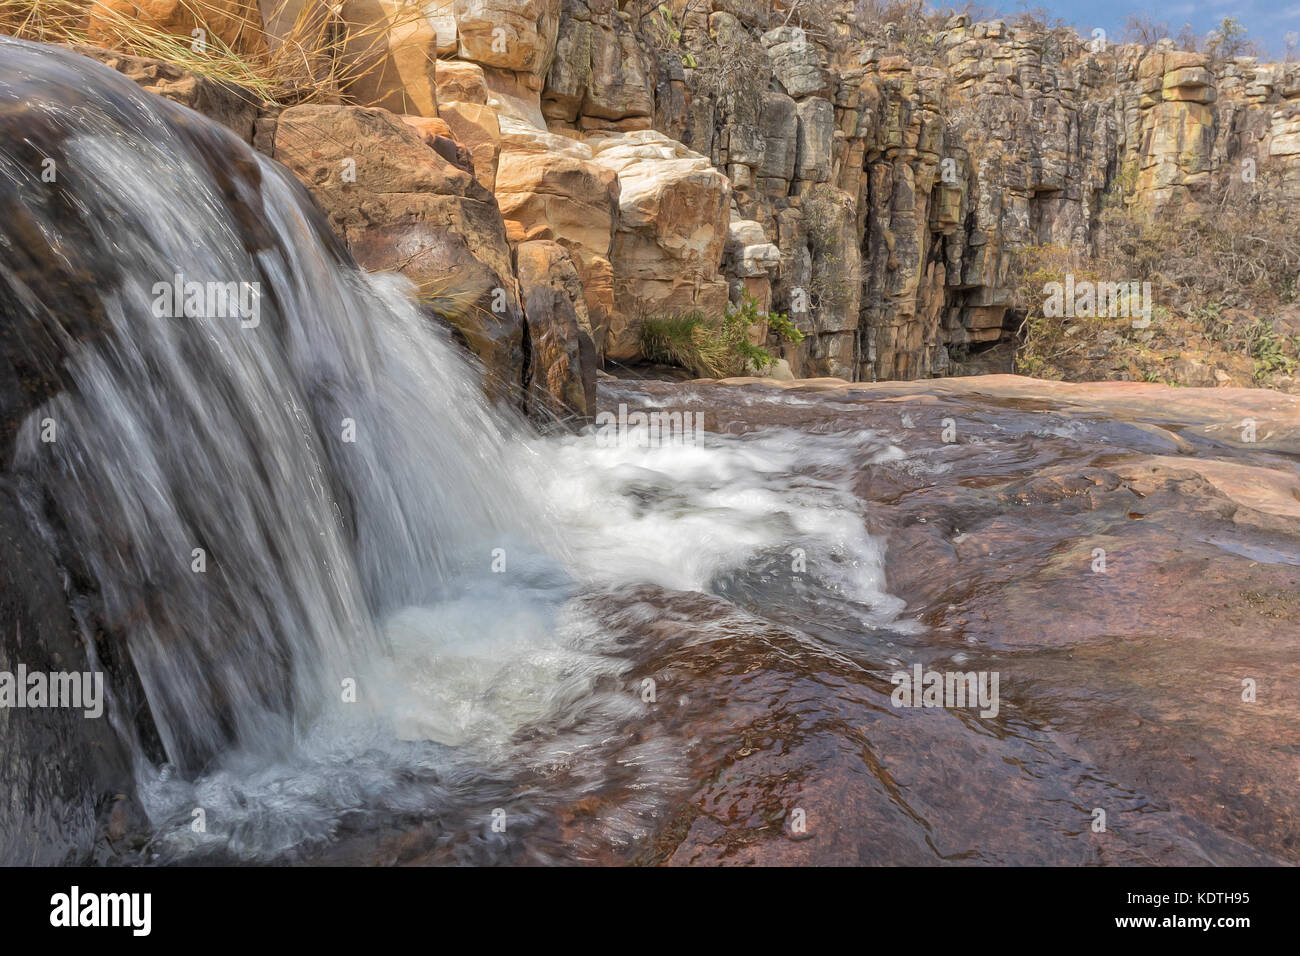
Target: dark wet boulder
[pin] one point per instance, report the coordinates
(66, 780)
(232, 106)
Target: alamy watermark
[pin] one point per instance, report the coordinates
(129, 910)
(1088, 299)
(71, 689)
(949, 689)
(656, 429)
(209, 300)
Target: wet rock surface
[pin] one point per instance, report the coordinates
(1121, 672)
(1097, 556)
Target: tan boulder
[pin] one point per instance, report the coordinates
(430, 127)
(461, 81)
(279, 16)
(797, 62)
(517, 35)
(399, 205)
(1182, 60)
(394, 66)
(562, 351)
(1152, 65)
(292, 22)
(437, 134)
(516, 95)
(749, 254)
(549, 187)
(1192, 84)
(1284, 135)
(597, 274)
(477, 128)
(442, 15)
(674, 213)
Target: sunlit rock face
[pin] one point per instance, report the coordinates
(401, 205)
(602, 76)
(672, 230)
(390, 56)
(517, 35)
(550, 188)
(562, 346)
(992, 138)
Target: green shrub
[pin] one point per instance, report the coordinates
(715, 347)
(681, 340)
(1264, 346)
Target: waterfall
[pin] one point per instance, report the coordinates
(263, 450)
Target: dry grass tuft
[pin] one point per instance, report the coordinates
(302, 60)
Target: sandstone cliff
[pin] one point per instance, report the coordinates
(873, 182)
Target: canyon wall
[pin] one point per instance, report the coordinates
(872, 183)
(897, 175)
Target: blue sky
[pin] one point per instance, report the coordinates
(1266, 20)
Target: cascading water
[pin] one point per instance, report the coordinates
(253, 488)
(291, 505)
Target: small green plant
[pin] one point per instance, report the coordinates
(713, 347)
(1289, 288)
(1266, 348)
(682, 340)
(736, 325)
(1210, 319)
(784, 327)
(674, 35)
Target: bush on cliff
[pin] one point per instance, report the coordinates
(718, 347)
(1225, 282)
